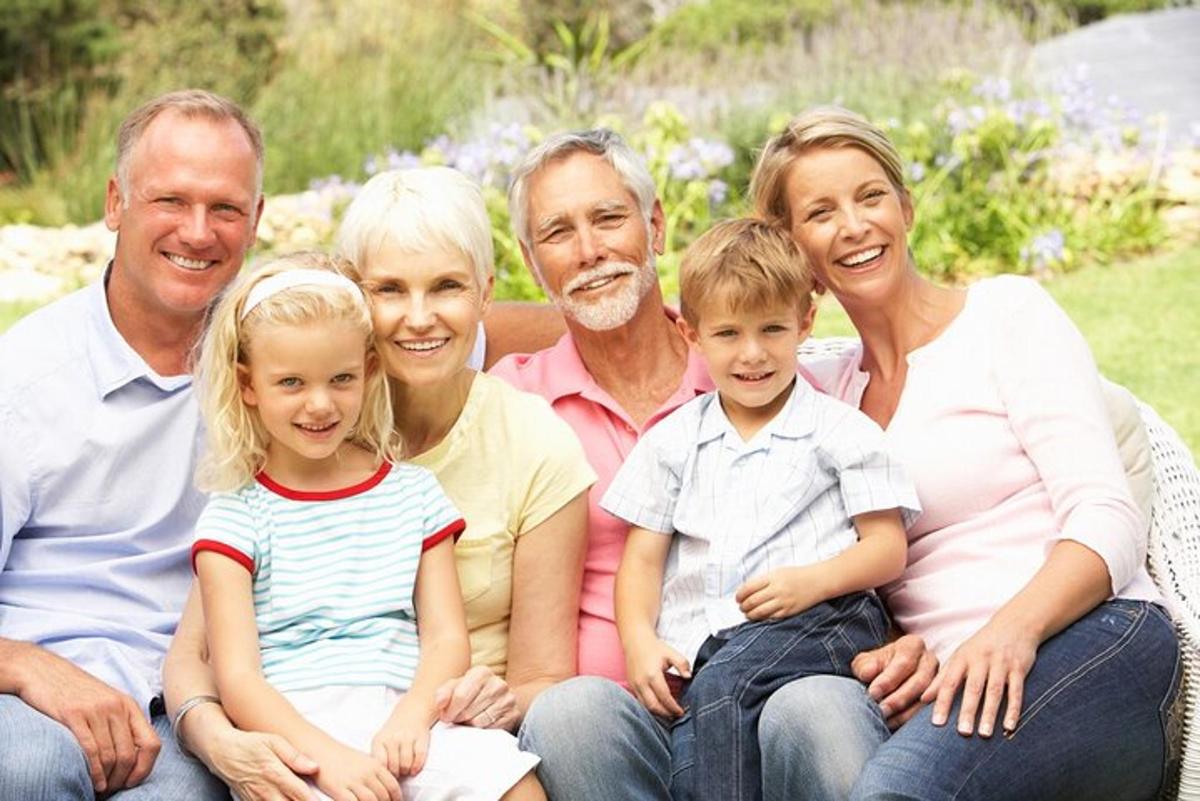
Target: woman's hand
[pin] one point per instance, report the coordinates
(991, 664)
(260, 767)
(478, 698)
(350, 775)
(403, 742)
(896, 674)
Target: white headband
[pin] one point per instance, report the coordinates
(293, 278)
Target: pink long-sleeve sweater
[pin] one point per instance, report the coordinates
(1002, 427)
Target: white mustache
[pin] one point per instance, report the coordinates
(606, 270)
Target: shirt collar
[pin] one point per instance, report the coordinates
(113, 361)
(566, 374)
(795, 420)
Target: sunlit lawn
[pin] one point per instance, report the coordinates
(1142, 319)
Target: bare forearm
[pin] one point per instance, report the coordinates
(442, 659)
(865, 565)
(252, 704)
(186, 675)
(15, 658)
(1072, 581)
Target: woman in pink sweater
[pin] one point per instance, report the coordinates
(1026, 578)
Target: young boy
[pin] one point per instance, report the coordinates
(773, 511)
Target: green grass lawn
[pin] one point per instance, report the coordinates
(1142, 319)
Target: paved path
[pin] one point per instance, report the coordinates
(1150, 61)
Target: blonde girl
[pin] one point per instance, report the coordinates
(326, 570)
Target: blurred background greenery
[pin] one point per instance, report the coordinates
(1010, 171)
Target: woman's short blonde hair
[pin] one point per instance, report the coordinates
(819, 127)
(237, 440)
(746, 265)
(418, 210)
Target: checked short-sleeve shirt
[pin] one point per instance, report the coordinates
(739, 509)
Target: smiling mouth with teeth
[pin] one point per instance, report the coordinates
(316, 429)
(186, 263)
(423, 347)
(861, 258)
(753, 376)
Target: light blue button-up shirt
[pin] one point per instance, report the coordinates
(97, 504)
(738, 509)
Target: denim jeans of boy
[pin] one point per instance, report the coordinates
(715, 752)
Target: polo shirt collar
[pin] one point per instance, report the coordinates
(795, 420)
(566, 374)
(113, 361)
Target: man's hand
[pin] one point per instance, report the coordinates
(896, 674)
(478, 698)
(260, 767)
(116, 737)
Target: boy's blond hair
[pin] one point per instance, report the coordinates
(746, 264)
(237, 439)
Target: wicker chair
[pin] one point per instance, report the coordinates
(1173, 559)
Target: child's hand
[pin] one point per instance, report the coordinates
(781, 593)
(349, 775)
(403, 742)
(646, 663)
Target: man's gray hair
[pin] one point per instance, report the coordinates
(602, 142)
(191, 103)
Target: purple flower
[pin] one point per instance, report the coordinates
(1044, 250)
(916, 172)
(994, 90)
(718, 190)
(698, 158)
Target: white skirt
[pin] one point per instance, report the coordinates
(463, 764)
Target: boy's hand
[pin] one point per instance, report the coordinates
(781, 593)
(402, 744)
(646, 662)
(349, 775)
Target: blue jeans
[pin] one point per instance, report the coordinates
(712, 757)
(1101, 706)
(40, 760)
(597, 743)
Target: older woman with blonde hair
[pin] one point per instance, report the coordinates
(419, 242)
(1025, 576)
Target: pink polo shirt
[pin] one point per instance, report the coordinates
(608, 435)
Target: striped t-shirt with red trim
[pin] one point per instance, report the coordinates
(333, 572)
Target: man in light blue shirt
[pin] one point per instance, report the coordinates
(100, 431)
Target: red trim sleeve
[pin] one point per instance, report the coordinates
(455, 529)
(224, 550)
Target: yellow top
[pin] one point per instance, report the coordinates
(508, 464)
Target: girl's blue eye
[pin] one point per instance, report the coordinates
(290, 381)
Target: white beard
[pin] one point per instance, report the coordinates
(615, 309)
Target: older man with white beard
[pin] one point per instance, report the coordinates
(584, 209)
